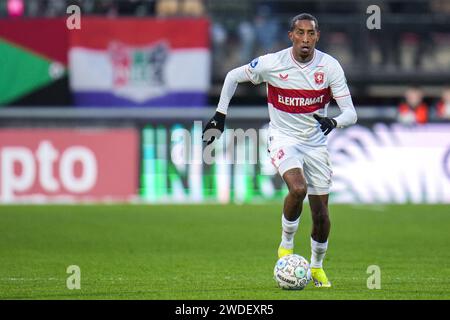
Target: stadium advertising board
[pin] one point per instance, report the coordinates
(380, 164)
(140, 62)
(68, 164)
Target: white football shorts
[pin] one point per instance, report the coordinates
(287, 153)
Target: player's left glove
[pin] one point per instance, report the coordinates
(326, 124)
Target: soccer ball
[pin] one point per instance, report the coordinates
(292, 272)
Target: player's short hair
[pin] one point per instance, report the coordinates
(304, 16)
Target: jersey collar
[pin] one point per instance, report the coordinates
(298, 63)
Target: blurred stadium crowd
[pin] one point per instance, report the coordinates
(412, 48)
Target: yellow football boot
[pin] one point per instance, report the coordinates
(284, 252)
(320, 278)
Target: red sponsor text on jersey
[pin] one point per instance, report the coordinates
(298, 100)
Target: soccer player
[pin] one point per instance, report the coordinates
(301, 81)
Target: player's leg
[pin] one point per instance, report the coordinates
(317, 169)
(319, 237)
(287, 158)
(293, 204)
(320, 217)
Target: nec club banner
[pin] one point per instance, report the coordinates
(65, 165)
(140, 62)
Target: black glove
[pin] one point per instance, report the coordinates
(326, 124)
(218, 123)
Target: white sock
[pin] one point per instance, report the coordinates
(288, 233)
(318, 251)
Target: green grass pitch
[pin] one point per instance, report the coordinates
(217, 251)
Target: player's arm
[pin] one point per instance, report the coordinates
(246, 73)
(348, 113)
(341, 94)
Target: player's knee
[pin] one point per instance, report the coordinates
(298, 192)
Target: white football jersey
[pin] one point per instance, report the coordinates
(296, 91)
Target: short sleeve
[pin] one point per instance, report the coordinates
(338, 82)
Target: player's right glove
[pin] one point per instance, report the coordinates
(326, 124)
(214, 128)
